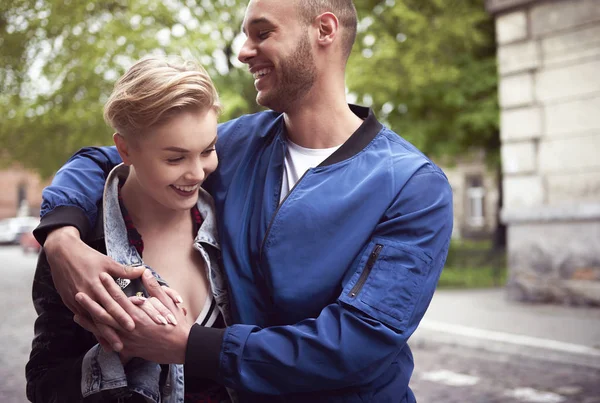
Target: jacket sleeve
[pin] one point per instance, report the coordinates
(75, 190)
(354, 340)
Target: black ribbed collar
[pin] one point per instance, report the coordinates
(359, 139)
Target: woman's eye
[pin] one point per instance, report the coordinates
(174, 160)
(208, 151)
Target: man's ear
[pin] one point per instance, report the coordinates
(123, 148)
(329, 26)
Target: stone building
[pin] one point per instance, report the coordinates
(20, 190)
(475, 195)
(549, 66)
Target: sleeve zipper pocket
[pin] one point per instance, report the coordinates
(365, 274)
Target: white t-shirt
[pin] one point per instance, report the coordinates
(297, 161)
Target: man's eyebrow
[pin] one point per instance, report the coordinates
(256, 21)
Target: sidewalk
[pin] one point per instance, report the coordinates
(484, 319)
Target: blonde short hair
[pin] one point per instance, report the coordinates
(153, 90)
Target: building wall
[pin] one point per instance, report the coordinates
(549, 66)
(16, 184)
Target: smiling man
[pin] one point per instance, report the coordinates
(334, 230)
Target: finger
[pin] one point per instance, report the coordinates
(86, 324)
(155, 290)
(174, 295)
(106, 336)
(116, 303)
(162, 310)
(153, 313)
(95, 310)
(110, 336)
(120, 271)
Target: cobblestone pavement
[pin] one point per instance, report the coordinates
(442, 373)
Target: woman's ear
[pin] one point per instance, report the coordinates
(123, 148)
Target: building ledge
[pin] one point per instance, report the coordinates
(501, 6)
(548, 214)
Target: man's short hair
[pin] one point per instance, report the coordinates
(153, 90)
(344, 10)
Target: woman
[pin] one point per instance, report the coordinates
(154, 213)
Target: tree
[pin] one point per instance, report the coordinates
(60, 59)
(428, 68)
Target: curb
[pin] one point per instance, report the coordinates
(430, 333)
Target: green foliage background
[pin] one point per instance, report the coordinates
(427, 68)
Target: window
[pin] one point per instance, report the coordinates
(475, 202)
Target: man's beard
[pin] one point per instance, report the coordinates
(297, 74)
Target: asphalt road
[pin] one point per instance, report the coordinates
(442, 373)
(16, 321)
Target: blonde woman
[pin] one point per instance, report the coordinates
(154, 213)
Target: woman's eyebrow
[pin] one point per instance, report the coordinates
(176, 149)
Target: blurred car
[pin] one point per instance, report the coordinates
(29, 243)
(11, 229)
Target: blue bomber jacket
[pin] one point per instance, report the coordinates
(326, 287)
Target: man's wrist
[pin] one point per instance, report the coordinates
(60, 236)
(203, 351)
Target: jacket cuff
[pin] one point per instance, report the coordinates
(203, 352)
(62, 216)
(102, 372)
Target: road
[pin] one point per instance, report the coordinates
(16, 321)
(442, 373)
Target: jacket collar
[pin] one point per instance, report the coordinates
(365, 133)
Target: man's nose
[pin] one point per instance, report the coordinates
(247, 52)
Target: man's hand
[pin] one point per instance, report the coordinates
(164, 344)
(76, 268)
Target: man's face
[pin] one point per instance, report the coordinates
(172, 160)
(278, 53)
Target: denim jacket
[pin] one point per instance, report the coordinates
(100, 375)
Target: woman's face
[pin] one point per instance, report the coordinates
(173, 159)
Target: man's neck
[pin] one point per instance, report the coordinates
(321, 120)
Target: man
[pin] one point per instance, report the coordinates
(333, 229)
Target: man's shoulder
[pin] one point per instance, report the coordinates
(406, 157)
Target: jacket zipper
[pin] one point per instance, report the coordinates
(262, 245)
(365, 274)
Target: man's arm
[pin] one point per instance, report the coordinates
(68, 212)
(353, 341)
(75, 191)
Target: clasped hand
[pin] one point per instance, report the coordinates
(160, 329)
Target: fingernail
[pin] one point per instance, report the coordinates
(172, 319)
(76, 319)
(117, 347)
(179, 299)
(162, 320)
(79, 297)
(148, 273)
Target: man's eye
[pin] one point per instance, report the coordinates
(174, 160)
(263, 34)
